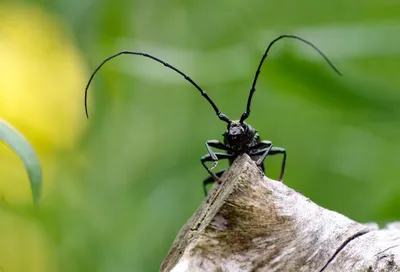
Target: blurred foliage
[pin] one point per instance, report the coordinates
(125, 186)
(18, 143)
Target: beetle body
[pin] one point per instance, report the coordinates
(239, 138)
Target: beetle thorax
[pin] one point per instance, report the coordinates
(239, 136)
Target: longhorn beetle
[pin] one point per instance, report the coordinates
(239, 137)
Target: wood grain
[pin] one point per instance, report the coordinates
(252, 223)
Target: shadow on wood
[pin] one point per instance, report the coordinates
(252, 223)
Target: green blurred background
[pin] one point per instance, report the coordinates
(133, 176)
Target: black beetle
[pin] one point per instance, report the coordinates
(239, 137)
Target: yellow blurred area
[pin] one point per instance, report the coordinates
(41, 92)
(23, 246)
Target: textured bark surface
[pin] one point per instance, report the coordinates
(252, 223)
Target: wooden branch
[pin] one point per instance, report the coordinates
(252, 223)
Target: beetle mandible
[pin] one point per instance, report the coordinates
(239, 137)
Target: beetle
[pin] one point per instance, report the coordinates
(239, 137)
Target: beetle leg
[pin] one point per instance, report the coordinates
(264, 153)
(262, 149)
(280, 150)
(210, 179)
(261, 145)
(217, 144)
(271, 151)
(213, 157)
(259, 149)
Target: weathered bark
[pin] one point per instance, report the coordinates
(252, 223)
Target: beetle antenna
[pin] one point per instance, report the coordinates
(246, 114)
(220, 115)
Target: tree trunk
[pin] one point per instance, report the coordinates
(252, 223)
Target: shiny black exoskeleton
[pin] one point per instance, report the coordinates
(239, 138)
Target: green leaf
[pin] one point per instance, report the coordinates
(21, 146)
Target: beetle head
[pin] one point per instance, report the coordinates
(238, 132)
